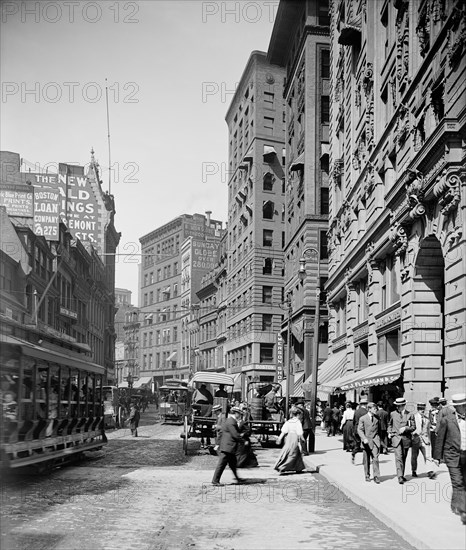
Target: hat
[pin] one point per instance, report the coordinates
(300, 405)
(371, 404)
(236, 410)
(400, 401)
(217, 408)
(421, 405)
(434, 401)
(443, 400)
(363, 400)
(458, 399)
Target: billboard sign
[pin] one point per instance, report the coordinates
(18, 200)
(80, 212)
(47, 213)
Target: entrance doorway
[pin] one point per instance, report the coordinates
(428, 314)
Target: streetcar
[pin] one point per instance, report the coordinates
(51, 405)
(174, 400)
(198, 419)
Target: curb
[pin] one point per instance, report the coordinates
(374, 510)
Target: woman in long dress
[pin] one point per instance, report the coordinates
(245, 456)
(346, 427)
(291, 459)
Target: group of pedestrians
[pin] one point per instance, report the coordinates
(439, 435)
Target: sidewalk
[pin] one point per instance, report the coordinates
(419, 510)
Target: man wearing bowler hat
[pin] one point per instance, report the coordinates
(228, 446)
(400, 429)
(451, 447)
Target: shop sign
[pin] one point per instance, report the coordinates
(378, 381)
(279, 357)
(388, 318)
(68, 313)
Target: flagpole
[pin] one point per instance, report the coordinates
(108, 140)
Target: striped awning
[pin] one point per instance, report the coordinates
(297, 385)
(331, 368)
(143, 381)
(298, 163)
(384, 373)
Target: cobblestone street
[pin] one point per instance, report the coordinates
(145, 494)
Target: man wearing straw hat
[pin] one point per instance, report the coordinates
(400, 428)
(451, 447)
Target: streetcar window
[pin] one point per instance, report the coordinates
(74, 392)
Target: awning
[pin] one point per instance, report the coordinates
(333, 385)
(298, 163)
(143, 381)
(350, 34)
(212, 378)
(172, 356)
(324, 149)
(237, 385)
(384, 373)
(331, 368)
(297, 386)
(269, 150)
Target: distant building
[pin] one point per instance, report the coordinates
(256, 221)
(123, 305)
(164, 306)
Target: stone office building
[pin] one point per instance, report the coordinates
(397, 272)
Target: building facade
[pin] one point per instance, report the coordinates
(300, 44)
(397, 171)
(256, 220)
(163, 303)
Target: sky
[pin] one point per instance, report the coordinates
(171, 70)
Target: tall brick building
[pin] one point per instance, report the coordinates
(256, 218)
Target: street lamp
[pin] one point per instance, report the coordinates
(315, 343)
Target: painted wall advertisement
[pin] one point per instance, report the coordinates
(18, 200)
(79, 212)
(204, 255)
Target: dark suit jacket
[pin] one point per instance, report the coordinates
(383, 417)
(230, 436)
(398, 421)
(369, 428)
(448, 443)
(357, 415)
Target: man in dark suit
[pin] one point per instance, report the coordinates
(361, 411)
(228, 446)
(451, 447)
(400, 429)
(383, 419)
(369, 433)
(327, 418)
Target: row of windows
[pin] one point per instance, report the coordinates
(161, 361)
(162, 273)
(164, 336)
(161, 294)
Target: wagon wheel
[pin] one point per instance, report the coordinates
(186, 435)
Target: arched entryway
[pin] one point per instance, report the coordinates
(428, 319)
